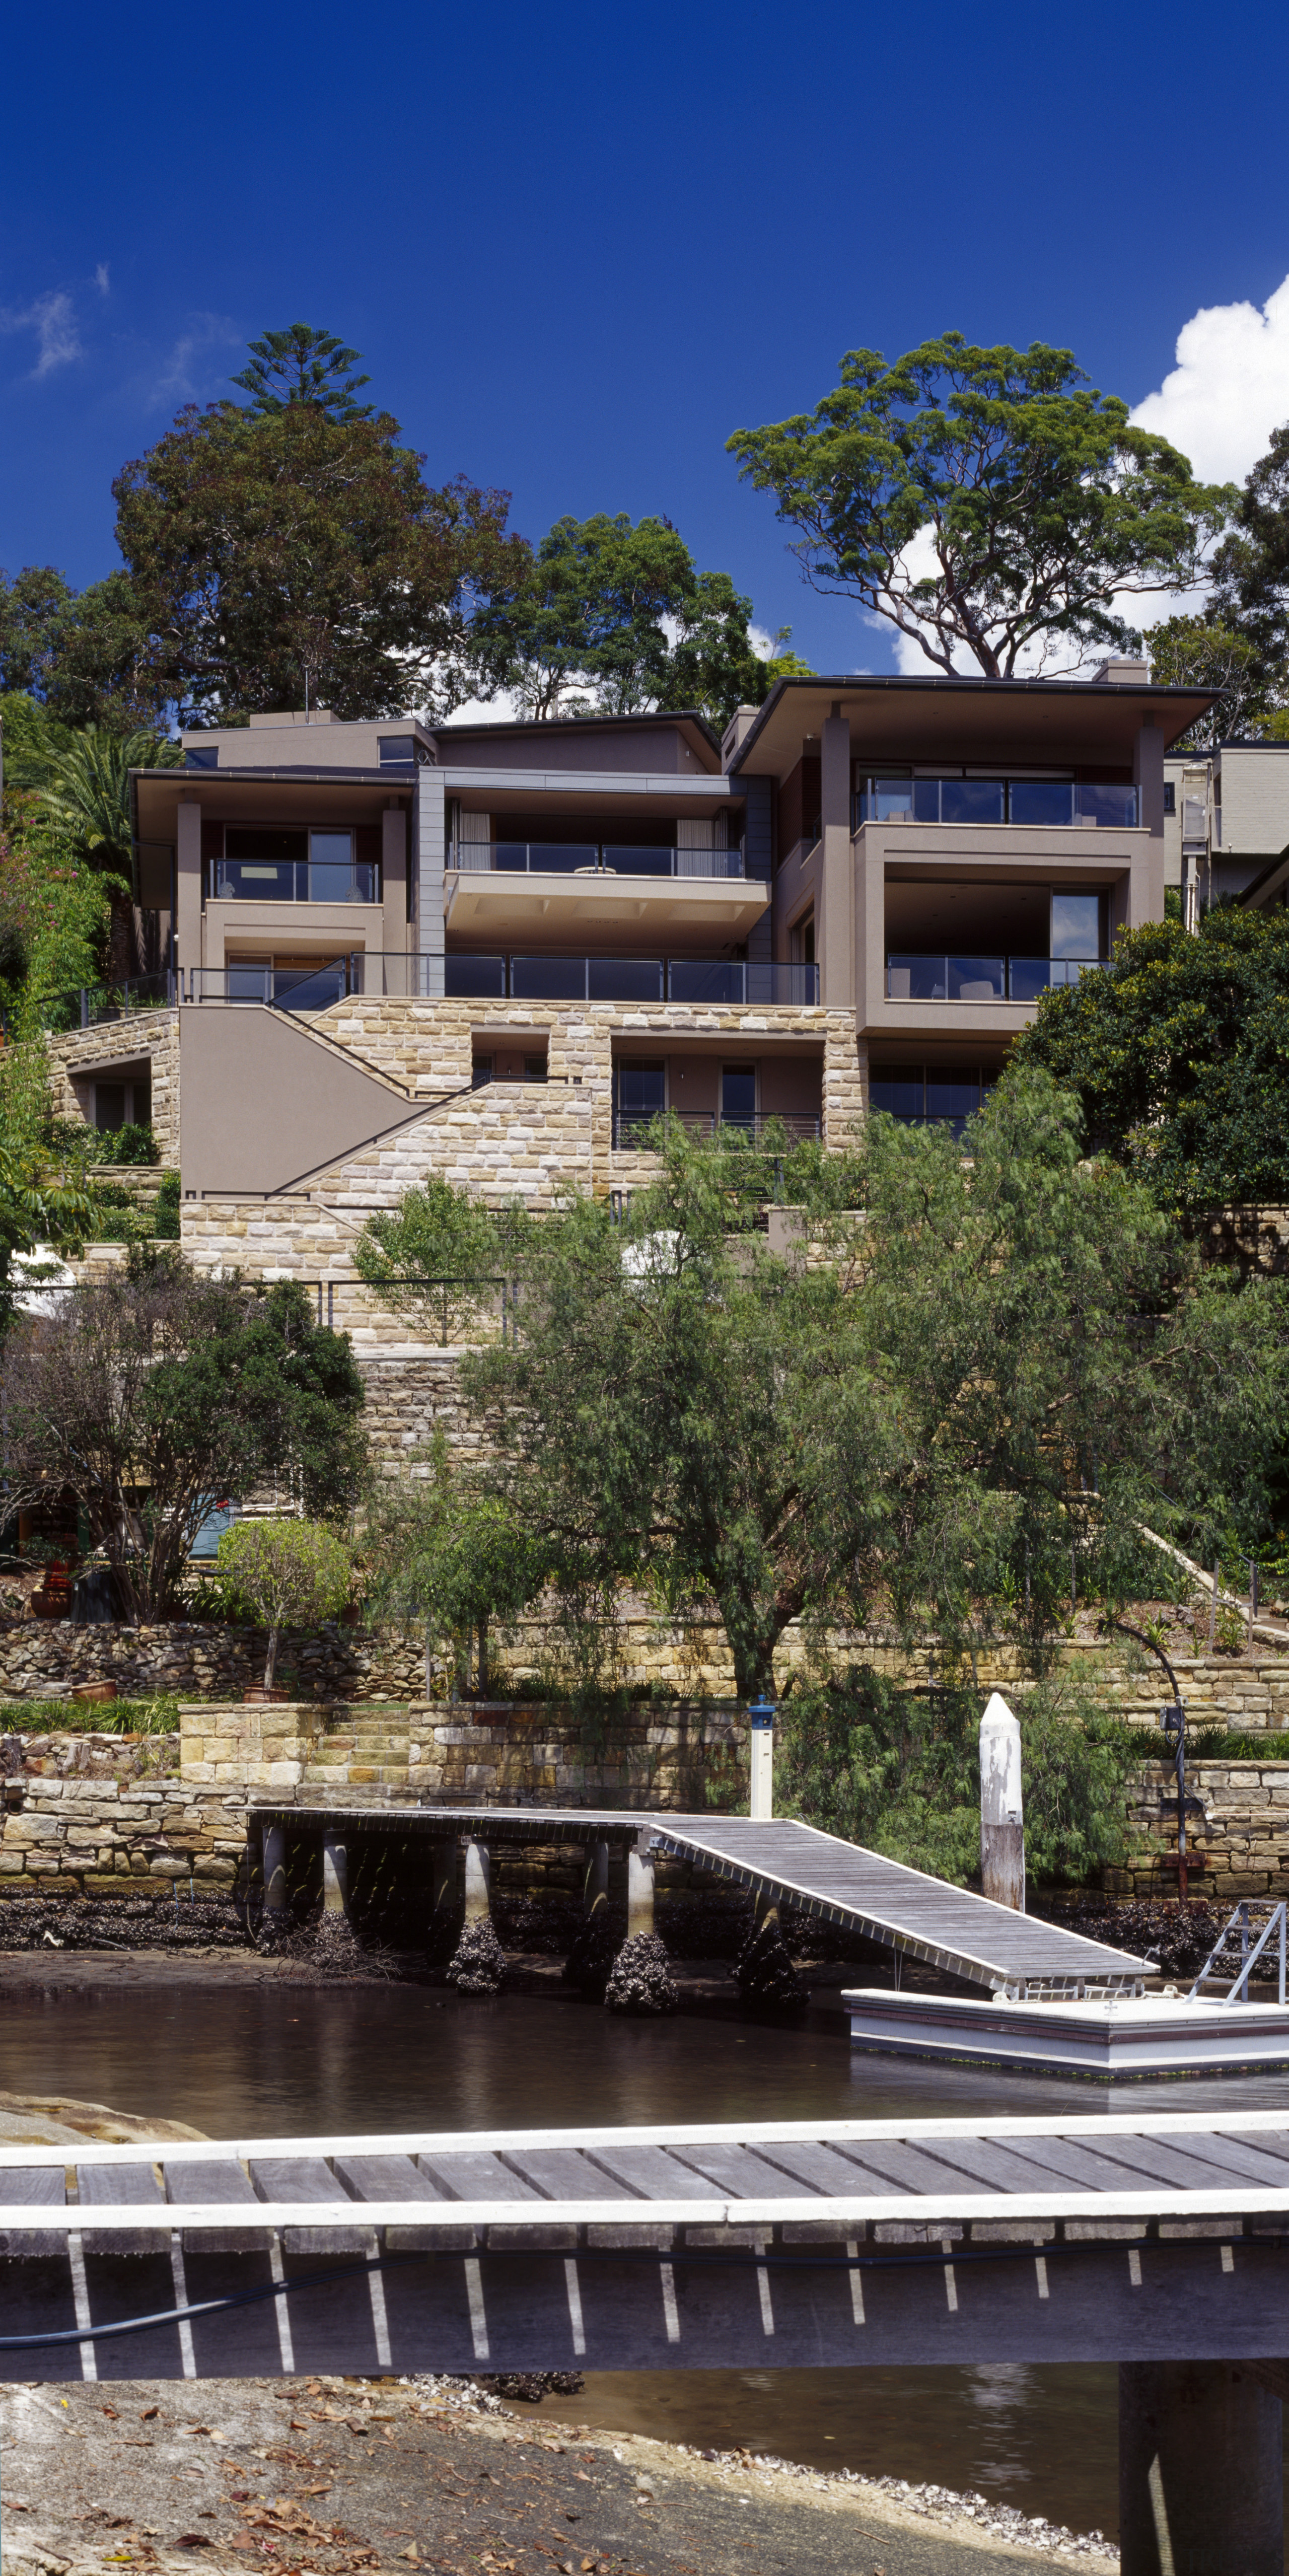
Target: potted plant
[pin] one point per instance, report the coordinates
(286, 1574)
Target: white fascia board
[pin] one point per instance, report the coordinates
(583, 782)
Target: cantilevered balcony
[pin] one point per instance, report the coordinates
(592, 858)
(609, 891)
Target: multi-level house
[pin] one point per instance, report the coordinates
(495, 951)
(1226, 825)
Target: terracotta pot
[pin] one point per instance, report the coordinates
(95, 1690)
(258, 1694)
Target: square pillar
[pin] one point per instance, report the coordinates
(187, 922)
(640, 1888)
(429, 847)
(835, 926)
(394, 892)
(478, 1877)
(1147, 887)
(1201, 2471)
(335, 1874)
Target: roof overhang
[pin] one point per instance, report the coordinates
(239, 795)
(1062, 722)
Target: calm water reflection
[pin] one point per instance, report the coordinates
(269, 2062)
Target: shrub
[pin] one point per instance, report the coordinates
(286, 1573)
(900, 1774)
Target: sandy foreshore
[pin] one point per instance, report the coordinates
(336, 2478)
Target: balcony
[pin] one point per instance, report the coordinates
(718, 982)
(292, 881)
(791, 1126)
(981, 979)
(89, 1005)
(1036, 803)
(592, 858)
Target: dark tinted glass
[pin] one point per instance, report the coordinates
(253, 841)
(642, 1092)
(694, 979)
(951, 1095)
(624, 979)
(397, 750)
(899, 1094)
(548, 979)
(1041, 800)
(628, 860)
(207, 757)
(474, 978)
(738, 1093)
(971, 800)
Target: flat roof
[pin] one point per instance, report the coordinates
(969, 718)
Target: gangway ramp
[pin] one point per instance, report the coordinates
(908, 1911)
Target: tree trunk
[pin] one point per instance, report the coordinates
(270, 1660)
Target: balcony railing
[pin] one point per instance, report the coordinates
(1031, 801)
(90, 1004)
(291, 881)
(592, 858)
(981, 979)
(721, 982)
(631, 1133)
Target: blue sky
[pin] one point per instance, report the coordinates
(579, 246)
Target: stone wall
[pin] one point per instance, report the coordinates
(108, 1837)
(76, 1056)
(42, 1659)
(678, 1756)
(1238, 1846)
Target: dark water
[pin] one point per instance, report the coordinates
(264, 2061)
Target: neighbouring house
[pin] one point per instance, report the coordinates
(1226, 826)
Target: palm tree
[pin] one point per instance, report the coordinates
(83, 798)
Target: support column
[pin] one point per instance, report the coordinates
(188, 913)
(639, 1892)
(273, 1863)
(335, 1874)
(477, 1966)
(478, 1879)
(429, 846)
(1200, 2471)
(761, 1760)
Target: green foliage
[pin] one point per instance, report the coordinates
(283, 557)
(1179, 1055)
(454, 1556)
(585, 627)
(39, 1207)
(964, 1373)
(1037, 501)
(1200, 653)
(304, 365)
(1251, 568)
(54, 918)
(440, 1256)
(82, 657)
(132, 1143)
(82, 793)
(151, 1391)
(900, 1774)
(285, 1573)
(156, 1716)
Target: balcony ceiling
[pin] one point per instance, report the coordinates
(1057, 723)
(501, 908)
(225, 798)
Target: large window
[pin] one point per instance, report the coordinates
(931, 1094)
(263, 865)
(897, 796)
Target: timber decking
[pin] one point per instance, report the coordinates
(917, 1916)
(956, 2240)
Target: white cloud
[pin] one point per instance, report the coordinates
(1229, 388)
(499, 710)
(101, 278)
(53, 320)
(179, 378)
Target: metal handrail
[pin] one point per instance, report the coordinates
(798, 1125)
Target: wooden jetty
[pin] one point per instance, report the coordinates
(1159, 2242)
(912, 1914)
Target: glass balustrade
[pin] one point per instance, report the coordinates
(717, 982)
(292, 881)
(591, 858)
(919, 978)
(1107, 804)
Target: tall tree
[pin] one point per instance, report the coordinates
(291, 553)
(614, 618)
(986, 502)
(304, 365)
(1251, 567)
(83, 656)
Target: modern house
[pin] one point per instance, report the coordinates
(495, 951)
(1226, 825)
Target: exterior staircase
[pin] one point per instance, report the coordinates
(360, 1749)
